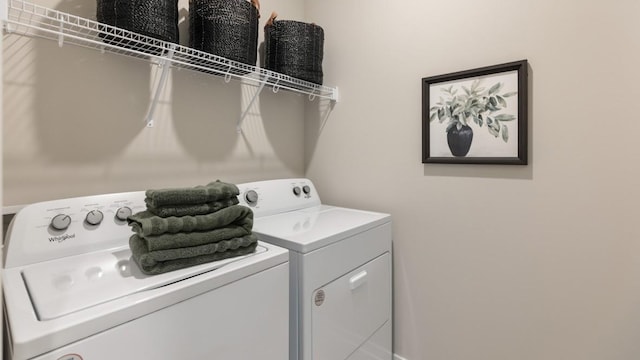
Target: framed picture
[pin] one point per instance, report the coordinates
(476, 116)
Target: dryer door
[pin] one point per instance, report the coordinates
(349, 310)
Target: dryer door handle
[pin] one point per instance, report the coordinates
(358, 279)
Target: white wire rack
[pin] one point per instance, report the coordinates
(30, 19)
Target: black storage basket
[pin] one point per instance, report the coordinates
(295, 48)
(154, 18)
(227, 28)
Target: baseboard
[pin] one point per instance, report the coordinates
(398, 357)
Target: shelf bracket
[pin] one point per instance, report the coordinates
(263, 82)
(335, 95)
(165, 66)
(60, 30)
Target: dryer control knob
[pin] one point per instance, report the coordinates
(123, 213)
(296, 191)
(61, 222)
(306, 189)
(94, 217)
(251, 196)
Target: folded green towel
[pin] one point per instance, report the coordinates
(158, 262)
(180, 240)
(211, 192)
(193, 209)
(146, 224)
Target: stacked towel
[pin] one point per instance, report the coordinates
(198, 200)
(190, 226)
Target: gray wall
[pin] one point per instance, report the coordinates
(494, 262)
(74, 121)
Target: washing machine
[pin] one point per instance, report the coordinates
(341, 270)
(72, 292)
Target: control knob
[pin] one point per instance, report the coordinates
(123, 213)
(306, 189)
(94, 217)
(251, 196)
(61, 222)
(296, 191)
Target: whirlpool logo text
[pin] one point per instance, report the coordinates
(61, 238)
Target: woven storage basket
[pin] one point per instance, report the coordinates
(295, 48)
(154, 18)
(227, 28)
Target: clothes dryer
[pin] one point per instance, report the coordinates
(341, 270)
(72, 292)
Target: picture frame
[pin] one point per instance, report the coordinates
(476, 116)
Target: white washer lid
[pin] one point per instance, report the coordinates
(309, 229)
(67, 285)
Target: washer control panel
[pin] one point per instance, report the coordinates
(275, 196)
(53, 229)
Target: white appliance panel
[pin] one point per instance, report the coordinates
(60, 287)
(278, 196)
(312, 228)
(350, 309)
(242, 320)
(32, 239)
(31, 336)
(321, 267)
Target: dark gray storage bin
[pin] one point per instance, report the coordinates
(294, 48)
(227, 28)
(154, 18)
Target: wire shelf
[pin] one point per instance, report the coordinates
(33, 20)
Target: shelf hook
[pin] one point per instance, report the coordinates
(312, 96)
(227, 76)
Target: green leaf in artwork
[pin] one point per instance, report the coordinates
(505, 133)
(493, 131)
(433, 116)
(494, 128)
(501, 101)
(474, 84)
(509, 94)
(505, 117)
(494, 89)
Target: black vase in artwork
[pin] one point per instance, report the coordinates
(459, 140)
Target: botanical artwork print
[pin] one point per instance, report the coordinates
(475, 117)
